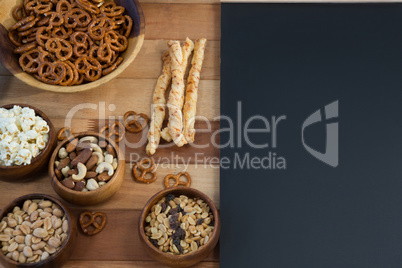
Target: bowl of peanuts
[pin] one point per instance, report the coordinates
(179, 226)
(69, 45)
(27, 139)
(86, 168)
(36, 230)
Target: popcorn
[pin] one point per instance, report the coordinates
(23, 135)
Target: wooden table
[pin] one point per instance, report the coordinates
(119, 244)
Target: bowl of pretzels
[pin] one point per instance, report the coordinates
(69, 45)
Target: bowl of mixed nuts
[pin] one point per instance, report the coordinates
(86, 168)
(180, 226)
(36, 230)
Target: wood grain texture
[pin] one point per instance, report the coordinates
(123, 94)
(183, 20)
(121, 231)
(131, 195)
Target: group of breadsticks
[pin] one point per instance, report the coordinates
(182, 100)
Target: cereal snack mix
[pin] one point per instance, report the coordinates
(179, 225)
(23, 135)
(33, 232)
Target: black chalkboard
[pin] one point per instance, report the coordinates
(323, 83)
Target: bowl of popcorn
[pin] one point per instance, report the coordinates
(47, 47)
(180, 226)
(36, 230)
(86, 168)
(27, 139)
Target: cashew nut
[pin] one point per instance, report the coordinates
(101, 158)
(114, 164)
(96, 148)
(56, 163)
(105, 166)
(65, 170)
(109, 158)
(82, 171)
(101, 183)
(91, 139)
(92, 185)
(84, 190)
(63, 153)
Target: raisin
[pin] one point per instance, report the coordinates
(199, 221)
(176, 242)
(212, 223)
(179, 234)
(179, 209)
(170, 197)
(174, 224)
(164, 207)
(173, 211)
(179, 248)
(154, 242)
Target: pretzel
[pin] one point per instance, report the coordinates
(38, 6)
(117, 41)
(30, 61)
(176, 96)
(158, 107)
(111, 68)
(60, 47)
(51, 73)
(95, 31)
(81, 43)
(19, 12)
(62, 134)
(25, 48)
(134, 125)
(92, 222)
(90, 67)
(99, 27)
(177, 181)
(193, 79)
(146, 166)
(116, 129)
(110, 9)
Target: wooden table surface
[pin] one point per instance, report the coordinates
(119, 245)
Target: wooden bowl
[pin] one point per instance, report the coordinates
(188, 259)
(10, 60)
(66, 249)
(21, 172)
(90, 197)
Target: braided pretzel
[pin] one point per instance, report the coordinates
(135, 126)
(92, 222)
(30, 61)
(64, 133)
(60, 47)
(51, 73)
(116, 129)
(90, 67)
(146, 166)
(177, 180)
(19, 12)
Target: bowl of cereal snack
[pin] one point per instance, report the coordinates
(69, 45)
(36, 230)
(86, 168)
(179, 226)
(27, 139)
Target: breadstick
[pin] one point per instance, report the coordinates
(192, 89)
(158, 107)
(179, 59)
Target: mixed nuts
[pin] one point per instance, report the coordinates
(33, 232)
(85, 164)
(179, 225)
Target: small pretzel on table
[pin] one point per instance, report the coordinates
(116, 129)
(177, 181)
(146, 166)
(135, 126)
(92, 222)
(64, 133)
